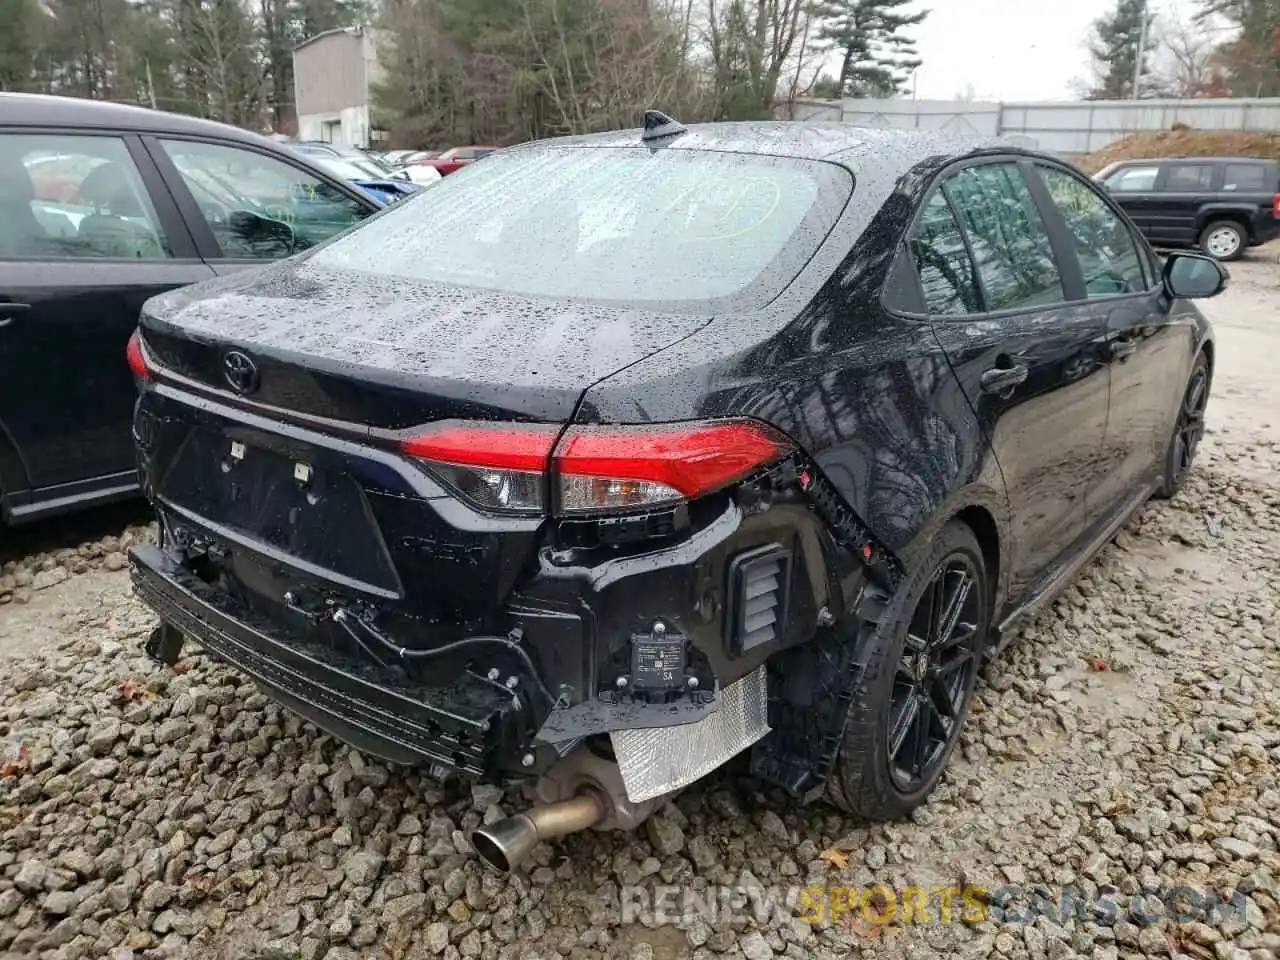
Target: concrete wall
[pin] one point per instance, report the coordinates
(332, 75)
(348, 126)
(1062, 128)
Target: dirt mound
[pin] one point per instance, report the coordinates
(1183, 143)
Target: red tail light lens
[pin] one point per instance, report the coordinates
(497, 467)
(137, 360)
(613, 468)
(503, 467)
(1275, 209)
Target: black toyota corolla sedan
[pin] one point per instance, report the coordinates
(690, 441)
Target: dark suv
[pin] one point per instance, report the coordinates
(103, 206)
(1222, 205)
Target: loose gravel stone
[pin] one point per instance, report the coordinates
(665, 835)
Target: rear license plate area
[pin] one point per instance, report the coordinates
(296, 504)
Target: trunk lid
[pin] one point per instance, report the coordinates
(391, 353)
(270, 473)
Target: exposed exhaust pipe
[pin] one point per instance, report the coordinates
(504, 845)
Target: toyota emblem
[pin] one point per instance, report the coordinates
(240, 371)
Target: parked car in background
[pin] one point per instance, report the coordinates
(334, 149)
(1223, 205)
(397, 158)
(344, 151)
(381, 182)
(411, 163)
(422, 174)
(382, 187)
(699, 440)
(102, 206)
(454, 158)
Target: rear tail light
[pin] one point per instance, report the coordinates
(595, 469)
(136, 358)
(1275, 207)
(497, 467)
(619, 468)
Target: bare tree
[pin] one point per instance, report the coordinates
(751, 43)
(1184, 62)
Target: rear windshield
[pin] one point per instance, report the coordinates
(607, 224)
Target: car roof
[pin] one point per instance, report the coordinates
(1196, 159)
(43, 110)
(844, 143)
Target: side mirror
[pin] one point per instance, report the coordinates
(1191, 276)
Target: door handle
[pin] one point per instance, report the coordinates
(1122, 348)
(1000, 379)
(9, 311)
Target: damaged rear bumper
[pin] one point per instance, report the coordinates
(466, 727)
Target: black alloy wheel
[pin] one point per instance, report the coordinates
(1188, 430)
(935, 674)
(913, 696)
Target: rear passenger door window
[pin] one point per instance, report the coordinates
(1188, 178)
(1010, 245)
(942, 261)
(1103, 244)
(73, 196)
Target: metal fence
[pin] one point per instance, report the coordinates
(1068, 129)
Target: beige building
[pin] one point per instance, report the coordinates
(332, 75)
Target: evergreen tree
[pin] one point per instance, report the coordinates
(877, 54)
(1113, 44)
(17, 43)
(1251, 59)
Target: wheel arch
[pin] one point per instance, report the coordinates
(984, 509)
(1212, 215)
(979, 519)
(13, 469)
(1206, 350)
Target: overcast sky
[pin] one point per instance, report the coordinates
(1011, 49)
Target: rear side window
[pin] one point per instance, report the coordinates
(614, 224)
(66, 195)
(1103, 244)
(942, 261)
(1248, 178)
(1133, 180)
(237, 188)
(1189, 177)
(1010, 245)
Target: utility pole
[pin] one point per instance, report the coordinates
(1142, 49)
(151, 87)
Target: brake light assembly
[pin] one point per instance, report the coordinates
(136, 359)
(1275, 206)
(581, 471)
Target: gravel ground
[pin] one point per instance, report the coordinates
(1128, 742)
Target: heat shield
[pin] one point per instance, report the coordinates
(658, 760)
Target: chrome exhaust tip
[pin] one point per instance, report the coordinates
(504, 845)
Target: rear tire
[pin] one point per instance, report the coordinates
(912, 699)
(1188, 431)
(1224, 240)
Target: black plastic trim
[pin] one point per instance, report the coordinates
(739, 635)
